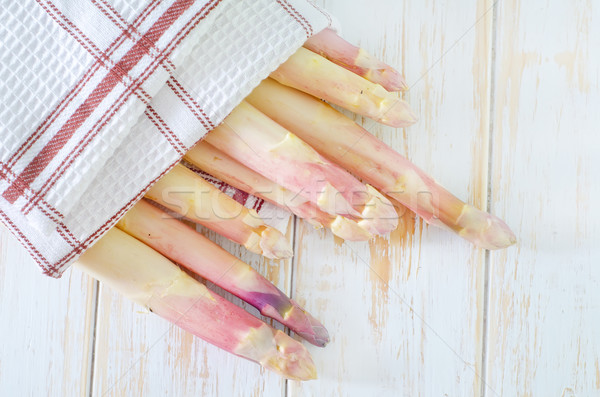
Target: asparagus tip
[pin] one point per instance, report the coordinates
(349, 229)
(498, 235)
(395, 81)
(485, 230)
(291, 359)
(274, 245)
(318, 335)
(402, 85)
(379, 215)
(333, 202)
(307, 326)
(399, 115)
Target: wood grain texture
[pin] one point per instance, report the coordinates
(45, 327)
(544, 307)
(406, 312)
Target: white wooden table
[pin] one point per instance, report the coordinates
(509, 102)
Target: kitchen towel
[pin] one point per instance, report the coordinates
(100, 98)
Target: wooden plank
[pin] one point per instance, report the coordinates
(138, 353)
(406, 312)
(45, 326)
(544, 311)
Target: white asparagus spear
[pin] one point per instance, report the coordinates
(315, 75)
(331, 46)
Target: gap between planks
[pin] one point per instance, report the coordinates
(91, 343)
(291, 286)
(487, 270)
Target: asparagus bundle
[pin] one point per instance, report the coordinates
(295, 151)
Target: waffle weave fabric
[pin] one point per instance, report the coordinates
(100, 98)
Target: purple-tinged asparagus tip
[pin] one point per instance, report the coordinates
(283, 309)
(315, 332)
(301, 322)
(318, 334)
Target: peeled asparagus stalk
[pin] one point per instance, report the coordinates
(315, 75)
(349, 145)
(151, 280)
(187, 194)
(218, 164)
(252, 138)
(331, 46)
(195, 252)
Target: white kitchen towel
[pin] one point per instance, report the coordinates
(102, 97)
